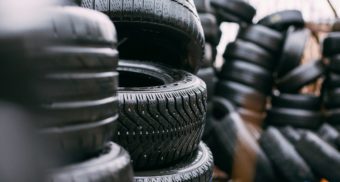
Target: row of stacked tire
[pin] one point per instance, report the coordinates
(89, 73)
(263, 126)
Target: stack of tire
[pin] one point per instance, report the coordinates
(67, 75)
(288, 105)
(162, 104)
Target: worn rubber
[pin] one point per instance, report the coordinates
(291, 134)
(211, 29)
(234, 11)
(203, 6)
(167, 31)
(301, 76)
(241, 95)
(294, 117)
(292, 50)
(161, 113)
(197, 167)
(296, 101)
(246, 73)
(113, 164)
(320, 156)
(330, 135)
(235, 150)
(331, 44)
(249, 52)
(210, 79)
(265, 37)
(284, 157)
(283, 19)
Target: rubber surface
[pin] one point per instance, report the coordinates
(113, 164)
(202, 6)
(255, 118)
(330, 135)
(198, 167)
(241, 95)
(331, 44)
(265, 37)
(210, 79)
(234, 10)
(296, 101)
(235, 150)
(320, 156)
(249, 52)
(211, 29)
(246, 73)
(283, 19)
(209, 57)
(331, 98)
(291, 134)
(284, 157)
(292, 50)
(301, 76)
(332, 116)
(294, 117)
(167, 31)
(162, 113)
(334, 64)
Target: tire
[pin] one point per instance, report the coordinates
(79, 121)
(331, 44)
(162, 115)
(292, 50)
(234, 11)
(334, 64)
(198, 167)
(301, 76)
(202, 6)
(330, 135)
(164, 31)
(113, 164)
(291, 134)
(296, 101)
(241, 95)
(284, 157)
(331, 100)
(251, 117)
(235, 150)
(211, 29)
(248, 74)
(320, 156)
(283, 19)
(209, 57)
(267, 38)
(208, 76)
(249, 52)
(332, 116)
(294, 117)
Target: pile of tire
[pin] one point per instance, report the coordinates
(63, 73)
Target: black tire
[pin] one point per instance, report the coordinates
(330, 135)
(249, 52)
(235, 150)
(211, 29)
(210, 79)
(197, 167)
(334, 64)
(284, 157)
(331, 44)
(113, 164)
(294, 117)
(162, 113)
(291, 134)
(202, 6)
(265, 37)
(332, 116)
(296, 101)
(331, 98)
(301, 76)
(283, 19)
(209, 57)
(234, 11)
(167, 31)
(79, 120)
(292, 50)
(241, 95)
(249, 74)
(320, 156)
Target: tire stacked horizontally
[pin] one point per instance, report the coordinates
(162, 106)
(68, 75)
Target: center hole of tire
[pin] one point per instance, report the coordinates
(133, 79)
